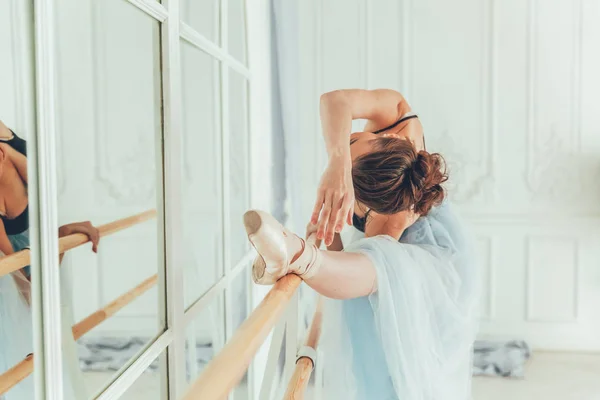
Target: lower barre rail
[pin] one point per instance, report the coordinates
(305, 365)
(23, 369)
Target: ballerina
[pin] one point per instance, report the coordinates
(16, 327)
(401, 322)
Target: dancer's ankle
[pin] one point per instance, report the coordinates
(295, 247)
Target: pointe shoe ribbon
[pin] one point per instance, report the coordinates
(268, 237)
(304, 265)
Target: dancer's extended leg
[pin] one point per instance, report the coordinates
(333, 274)
(343, 275)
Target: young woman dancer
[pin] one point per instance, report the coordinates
(403, 324)
(16, 330)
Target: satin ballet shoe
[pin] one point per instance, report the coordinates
(268, 236)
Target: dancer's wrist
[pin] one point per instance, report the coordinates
(340, 155)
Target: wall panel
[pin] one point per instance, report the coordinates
(507, 92)
(552, 279)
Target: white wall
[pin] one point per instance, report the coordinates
(17, 108)
(507, 92)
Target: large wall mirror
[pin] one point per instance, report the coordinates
(121, 97)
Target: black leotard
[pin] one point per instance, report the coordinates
(14, 226)
(16, 143)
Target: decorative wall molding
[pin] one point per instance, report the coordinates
(476, 178)
(488, 243)
(473, 183)
(576, 223)
(553, 166)
(530, 314)
(531, 46)
(127, 180)
(130, 181)
(473, 176)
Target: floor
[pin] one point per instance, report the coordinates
(146, 387)
(549, 376)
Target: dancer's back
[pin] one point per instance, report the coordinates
(412, 338)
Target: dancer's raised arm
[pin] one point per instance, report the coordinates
(335, 196)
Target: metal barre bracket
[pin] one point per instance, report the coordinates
(308, 352)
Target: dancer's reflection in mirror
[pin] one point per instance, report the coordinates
(16, 335)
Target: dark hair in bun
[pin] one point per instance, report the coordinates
(395, 177)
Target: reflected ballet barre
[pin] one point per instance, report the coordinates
(20, 259)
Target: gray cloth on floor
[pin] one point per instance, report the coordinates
(111, 353)
(504, 359)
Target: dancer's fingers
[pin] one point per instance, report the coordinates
(325, 213)
(334, 218)
(318, 206)
(344, 214)
(94, 235)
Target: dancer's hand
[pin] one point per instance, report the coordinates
(335, 199)
(311, 229)
(85, 228)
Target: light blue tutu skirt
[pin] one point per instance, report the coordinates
(412, 339)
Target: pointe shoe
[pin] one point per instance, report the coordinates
(267, 236)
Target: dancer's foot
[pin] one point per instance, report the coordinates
(280, 251)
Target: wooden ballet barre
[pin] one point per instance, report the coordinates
(304, 364)
(96, 318)
(227, 368)
(20, 259)
(16, 374)
(24, 368)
